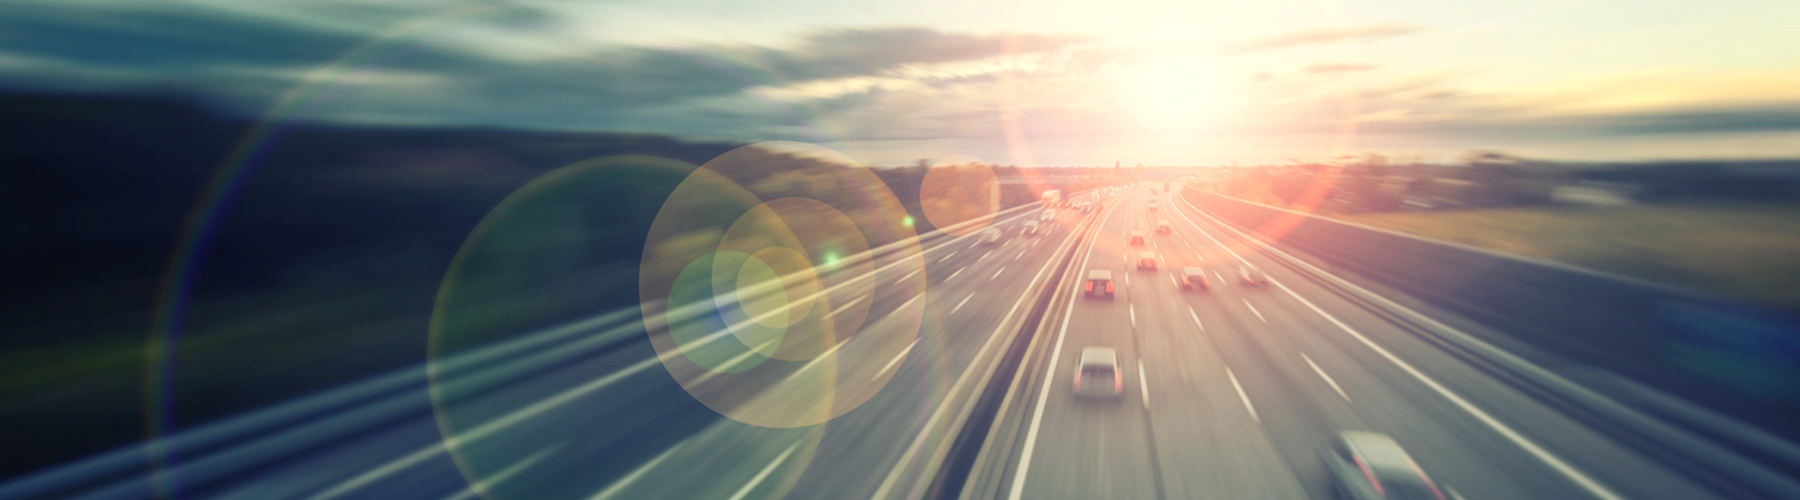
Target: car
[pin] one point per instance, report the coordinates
(1369, 466)
(1163, 227)
(1136, 238)
(1087, 207)
(1194, 278)
(990, 236)
(1099, 284)
(1029, 227)
(1250, 276)
(1047, 215)
(1147, 260)
(1152, 205)
(1097, 374)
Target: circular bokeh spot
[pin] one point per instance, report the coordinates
(756, 308)
(957, 190)
(697, 339)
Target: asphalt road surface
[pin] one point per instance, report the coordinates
(1235, 392)
(1231, 393)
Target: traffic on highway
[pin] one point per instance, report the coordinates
(1178, 363)
(899, 250)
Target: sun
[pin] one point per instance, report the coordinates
(1173, 95)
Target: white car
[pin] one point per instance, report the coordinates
(1029, 227)
(1370, 466)
(1097, 375)
(1147, 260)
(1047, 215)
(990, 236)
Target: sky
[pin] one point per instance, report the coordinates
(1041, 83)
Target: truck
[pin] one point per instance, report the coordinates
(1052, 198)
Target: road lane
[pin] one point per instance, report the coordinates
(639, 435)
(1251, 383)
(1477, 457)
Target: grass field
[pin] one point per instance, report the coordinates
(1746, 250)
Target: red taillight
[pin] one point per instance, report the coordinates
(1118, 382)
(1370, 475)
(1090, 287)
(1109, 287)
(1422, 476)
(1078, 379)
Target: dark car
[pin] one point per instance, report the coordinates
(1099, 284)
(1371, 466)
(1253, 277)
(1194, 278)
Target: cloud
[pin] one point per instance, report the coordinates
(846, 52)
(547, 74)
(1323, 36)
(1337, 68)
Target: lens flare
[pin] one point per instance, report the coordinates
(960, 189)
(735, 306)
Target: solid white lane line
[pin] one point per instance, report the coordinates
(626, 481)
(1253, 310)
(1037, 414)
(953, 275)
(1328, 380)
(1581, 479)
(1196, 318)
(904, 304)
(959, 305)
(1242, 396)
(760, 476)
(906, 459)
(908, 275)
(997, 273)
(495, 479)
(1143, 384)
(948, 256)
(1133, 310)
(1587, 483)
(847, 306)
(897, 359)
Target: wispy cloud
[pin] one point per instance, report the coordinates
(1337, 68)
(1321, 36)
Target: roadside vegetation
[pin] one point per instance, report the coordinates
(1747, 250)
(1728, 227)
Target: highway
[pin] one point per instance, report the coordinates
(1235, 392)
(586, 411)
(1230, 393)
